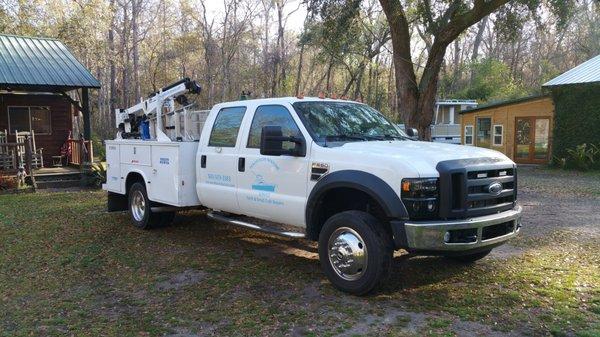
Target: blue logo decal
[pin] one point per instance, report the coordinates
(164, 161)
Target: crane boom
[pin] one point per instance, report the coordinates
(130, 121)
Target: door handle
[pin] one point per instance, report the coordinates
(203, 161)
(241, 164)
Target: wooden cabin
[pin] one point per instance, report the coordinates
(44, 96)
(521, 128)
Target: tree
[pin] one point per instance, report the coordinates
(441, 22)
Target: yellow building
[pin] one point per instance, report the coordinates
(521, 128)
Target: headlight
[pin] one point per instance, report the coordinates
(420, 197)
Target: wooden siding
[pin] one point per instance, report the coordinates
(61, 117)
(505, 115)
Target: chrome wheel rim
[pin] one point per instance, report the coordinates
(138, 205)
(347, 253)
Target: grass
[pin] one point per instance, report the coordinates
(69, 268)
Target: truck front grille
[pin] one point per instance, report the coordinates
(470, 188)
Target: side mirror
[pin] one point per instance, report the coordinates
(272, 140)
(412, 133)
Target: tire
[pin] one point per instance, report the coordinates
(139, 208)
(470, 258)
(362, 234)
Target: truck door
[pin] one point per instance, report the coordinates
(218, 162)
(272, 187)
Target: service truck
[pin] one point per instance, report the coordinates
(327, 170)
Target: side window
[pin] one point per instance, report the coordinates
(272, 115)
(468, 134)
(226, 126)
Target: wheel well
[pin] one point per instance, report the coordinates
(342, 199)
(132, 178)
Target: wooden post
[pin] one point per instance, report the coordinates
(28, 161)
(85, 107)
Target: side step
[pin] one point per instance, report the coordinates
(271, 230)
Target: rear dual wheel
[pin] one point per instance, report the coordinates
(355, 252)
(141, 212)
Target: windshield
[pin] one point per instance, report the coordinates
(345, 122)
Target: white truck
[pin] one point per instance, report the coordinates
(336, 171)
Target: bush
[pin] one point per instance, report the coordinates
(576, 117)
(99, 149)
(8, 183)
(582, 157)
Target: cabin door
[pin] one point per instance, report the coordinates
(532, 139)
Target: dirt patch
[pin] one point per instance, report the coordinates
(183, 279)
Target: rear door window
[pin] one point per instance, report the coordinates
(226, 127)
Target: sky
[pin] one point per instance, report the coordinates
(295, 21)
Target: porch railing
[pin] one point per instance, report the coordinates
(81, 151)
(10, 162)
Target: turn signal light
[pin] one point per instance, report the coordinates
(406, 186)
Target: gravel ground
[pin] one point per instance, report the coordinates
(559, 200)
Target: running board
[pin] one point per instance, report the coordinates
(270, 230)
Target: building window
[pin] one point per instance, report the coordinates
(30, 118)
(498, 134)
(468, 134)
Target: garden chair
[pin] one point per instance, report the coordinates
(37, 158)
(7, 155)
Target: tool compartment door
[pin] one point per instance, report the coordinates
(134, 154)
(165, 180)
(113, 169)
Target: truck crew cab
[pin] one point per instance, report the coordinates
(335, 171)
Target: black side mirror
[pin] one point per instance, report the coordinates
(412, 133)
(272, 139)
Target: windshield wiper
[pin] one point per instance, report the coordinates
(387, 136)
(347, 137)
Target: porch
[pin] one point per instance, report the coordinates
(45, 127)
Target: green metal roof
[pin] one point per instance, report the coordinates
(587, 72)
(503, 103)
(41, 64)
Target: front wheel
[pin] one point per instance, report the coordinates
(355, 252)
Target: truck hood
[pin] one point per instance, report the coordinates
(421, 156)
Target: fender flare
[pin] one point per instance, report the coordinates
(368, 183)
(134, 171)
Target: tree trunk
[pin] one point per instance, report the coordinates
(135, 13)
(112, 66)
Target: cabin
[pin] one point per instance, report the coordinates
(44, 100)
(520, 128)
(533, 130)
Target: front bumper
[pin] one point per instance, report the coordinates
(482, 233)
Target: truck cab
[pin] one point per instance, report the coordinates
(332, 171)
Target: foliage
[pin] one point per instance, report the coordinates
(492, 82)
(576, 117)
(8, 183)
(98, 146)
(583, 157)
(98, 174)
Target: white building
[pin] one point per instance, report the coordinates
(446, 119)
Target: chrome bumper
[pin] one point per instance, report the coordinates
(431, 235)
